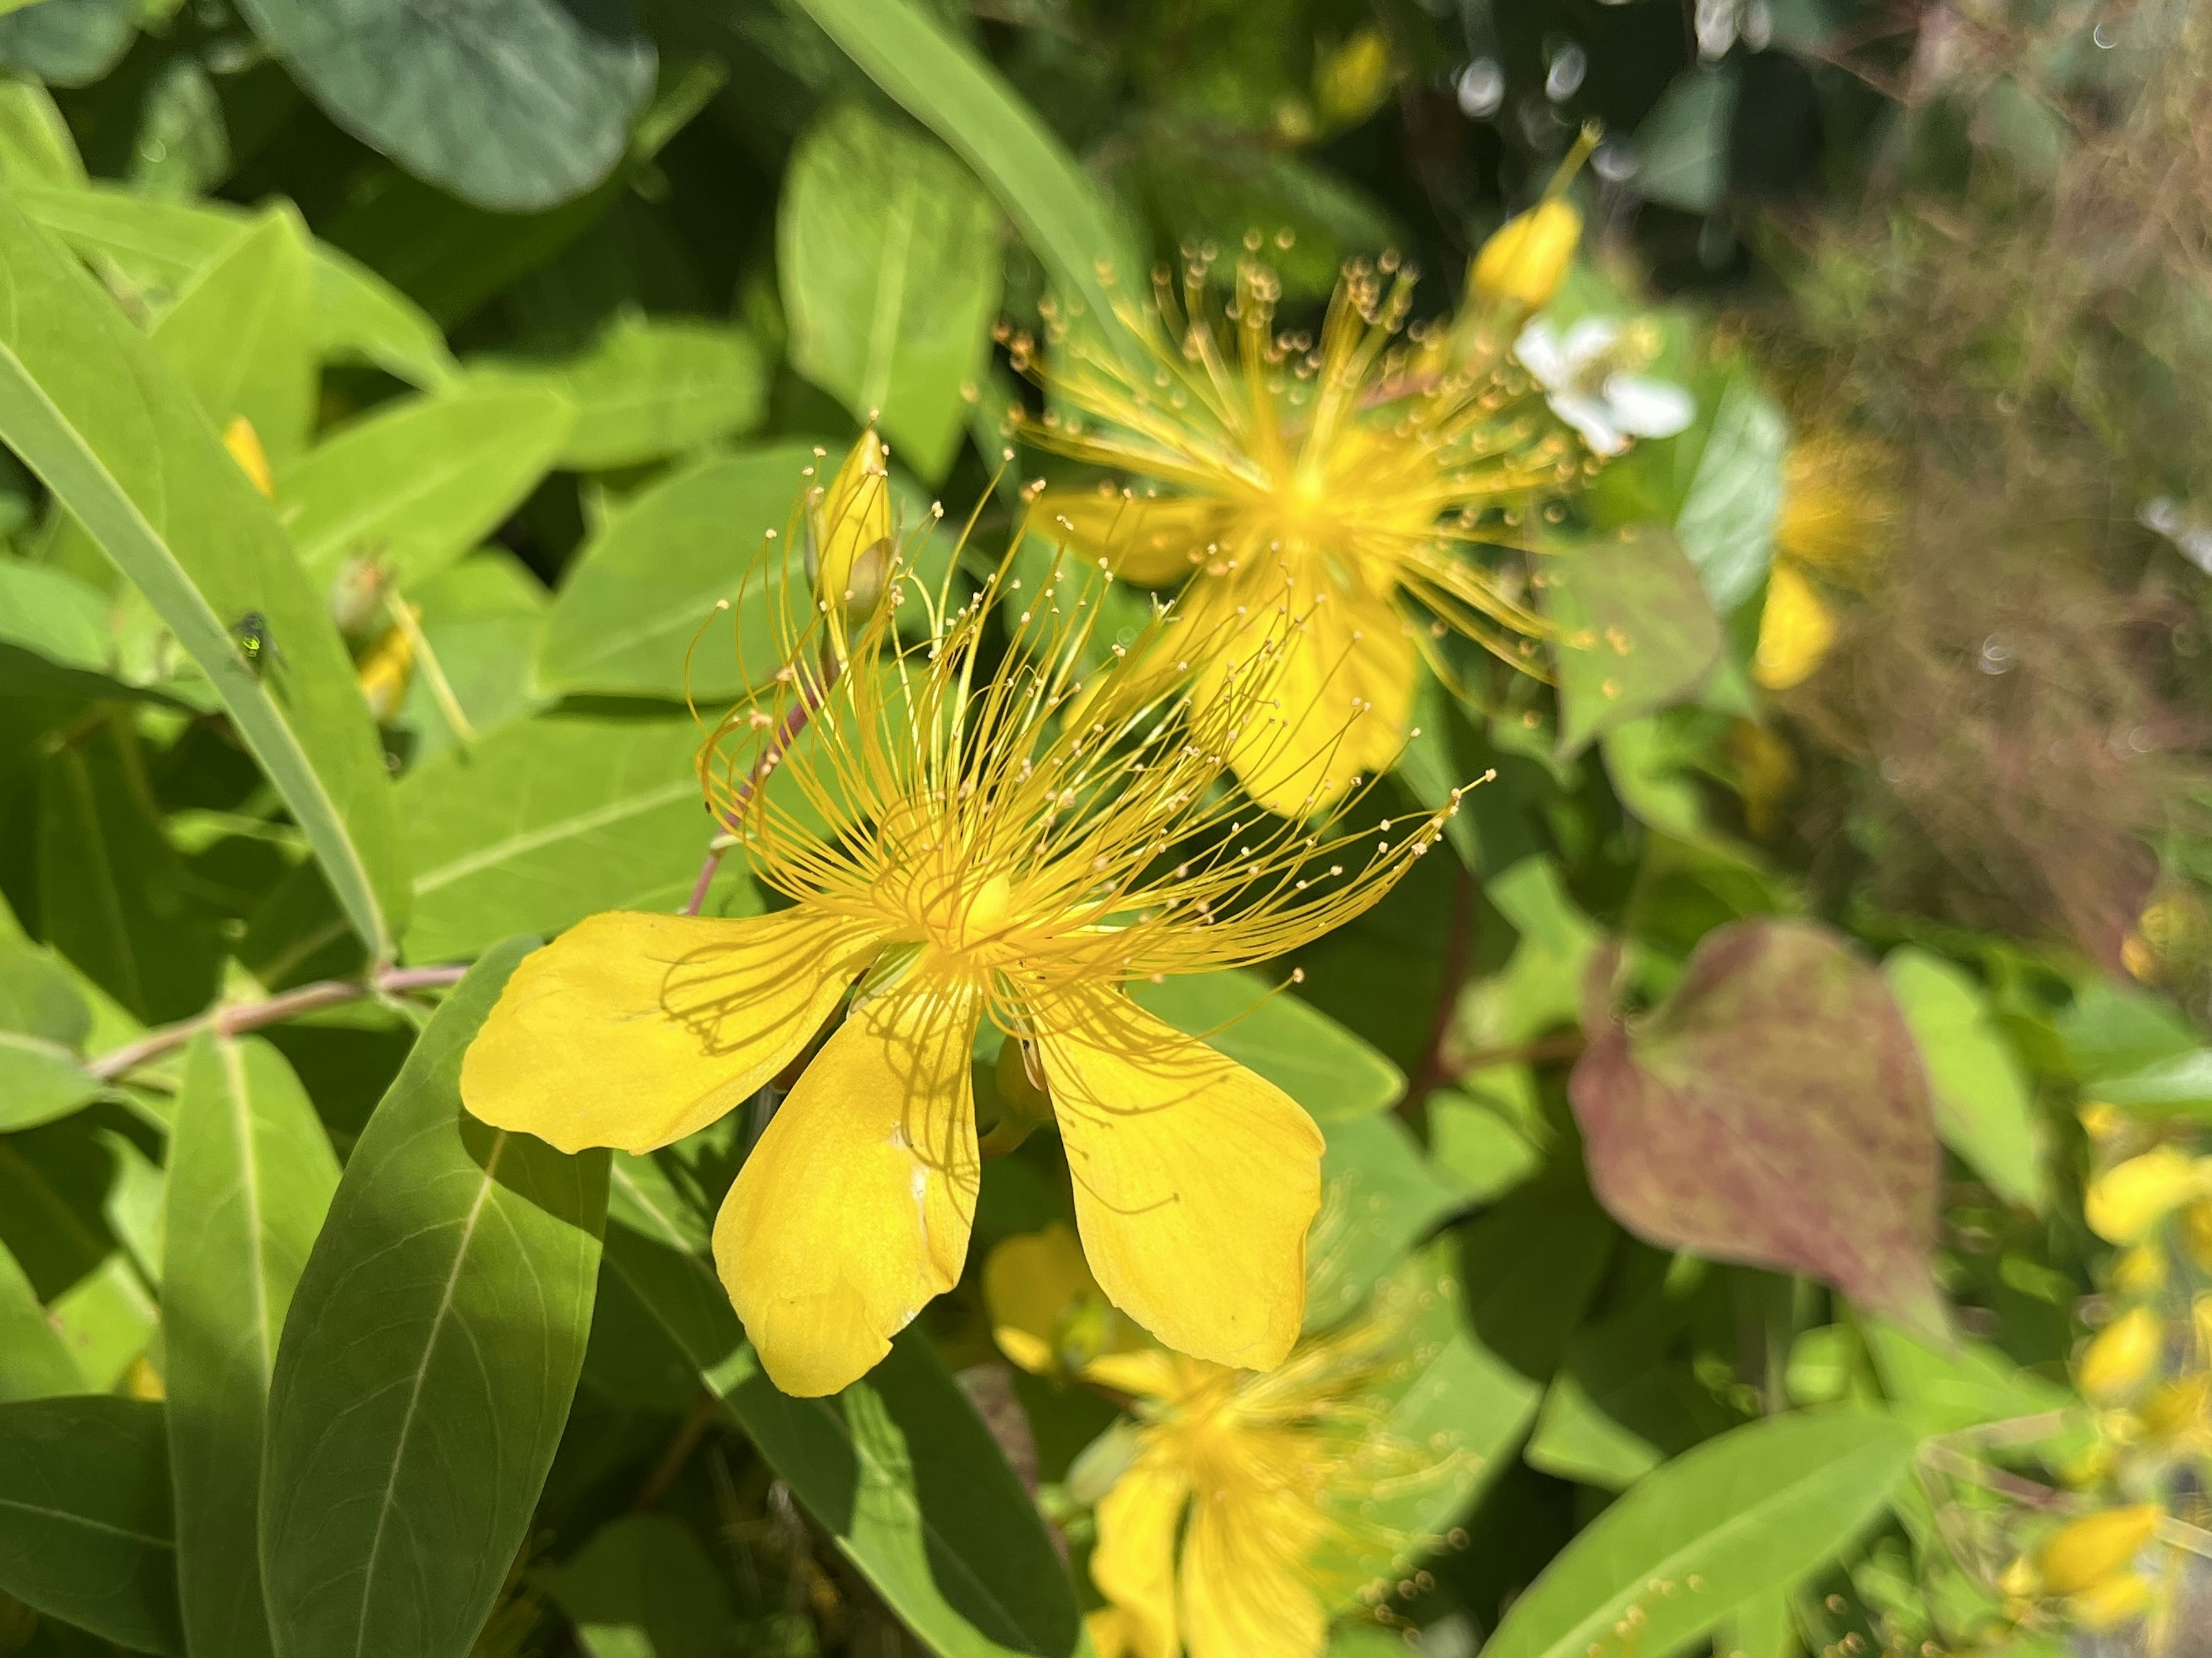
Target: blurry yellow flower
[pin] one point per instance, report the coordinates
(1796, 630)
(2197, 1234)
(2085, 1553)
(384, 670)
(2129, 1199)
(2119, 1361)
(1232, 1528)
(849, 534)
(1352, 82)
(245, 446)
(1529, 255)
(944, 839)
(2141, 1272)
(1047, 1313)
(1337, 473)
(2177, 1415)
(2117, 1600)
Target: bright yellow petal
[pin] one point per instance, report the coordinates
(1244, 1589)
(855, 1209)
(633, 1030)
(1195, 1180)
(1342, 693)
(1108, 1629)
(1134, 1564)
(1156, 540)
(1796, 630)
(1143, 1373)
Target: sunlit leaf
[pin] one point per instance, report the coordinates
(1634, 631)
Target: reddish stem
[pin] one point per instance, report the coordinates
(794, 721)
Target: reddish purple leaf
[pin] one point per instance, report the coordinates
(1772, 1111)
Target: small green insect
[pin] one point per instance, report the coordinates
(256, 643)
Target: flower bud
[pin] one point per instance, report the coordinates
(2129, 1199)
(2176, 1409)
(2116, 1600)
(245, 446)
(1529, 255)
(850, 527)
(2120, 1359)
(2086, 1553)
(385, 671)
(2141, 1272)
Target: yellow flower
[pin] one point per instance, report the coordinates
(849, 534)
(2084, 1554)
(2141, 1272)
(1795, 631)
(1837, 513)
(384, 670)
(1528, 256)
(946, 840)
(1338, 469)
(2129, 1199)
(245, 446)
(2119, 1361)
(1241, 1517)
(1352, 82)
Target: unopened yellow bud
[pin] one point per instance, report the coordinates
(852, 533)
(245, 446)
(2021, 1581)
(1529, 255)
(2176, 1409)
(1351, 82)
(2129, 1199)
(384, 673)
(2141, 1272)
(2119, 1360)
(2101, 1119)
(2116, 1600)
(2197, 1233)
(2085, 1553)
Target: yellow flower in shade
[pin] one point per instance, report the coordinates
(952, 849)
(2125, 1202)
(1244, 1511)
(1795, 631)
(1837, 513)
(1345, 470)
(2115, 1365)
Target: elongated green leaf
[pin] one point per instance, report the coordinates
(84, 1518)
(1635, 631)
(86, 402)
(887, 251)
(358, 316)
(34, 1364)
(241, 334)
(949, 86)
(643, 587)
(1332, 1071)
(419, 483)
(897, 1468)
(251, 1173)
(513, 104)
(40, 1081)
(1984, 1109)
(427, 1368)
(1744, 1514)
(649, 387)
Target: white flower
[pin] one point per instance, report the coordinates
(1583, 380)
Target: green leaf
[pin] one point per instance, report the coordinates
(649, 387)
(241, 334)
(899, 1467)
(1983, 1108)
(512, 104)
(2118, 1029)
(887, 251)
(642, 1588)
(40, 1081)
(36, 146)
(1332, 1071)
(70, 44)
(34, 1363)
(1742, 1515)
(419, 481)
(642, 589)
(1379, 1198)
(358, 316)
(86, 402)
(948, 86)
(62, 622)
(1682, 144)
(427, 1368)
(1635, 632)
(84, 1518)
(1726, 525)
(251, 1174)
(483, 618)
(1476, 1146)
(552, 820)
(1939, 1392)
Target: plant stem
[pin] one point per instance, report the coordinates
(794, 721)
(254, 1016)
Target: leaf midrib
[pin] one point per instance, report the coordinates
(560, 829)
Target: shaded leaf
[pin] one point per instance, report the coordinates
(899, 1467)
(1983, 1108)
(251, 1174)
(1939, 1392)
(642, 1588)
(1635, 631)
(85, 401)
(427, 1368)
(513, 104)
(643, 588)
(419, 481)
(1744, 1514)
(1681, 146)
(887, 251)
(84, 1518)
(40, 1081)
(1771, 1110)
(552, 820)
(1333, 1071)
(34, 1363)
